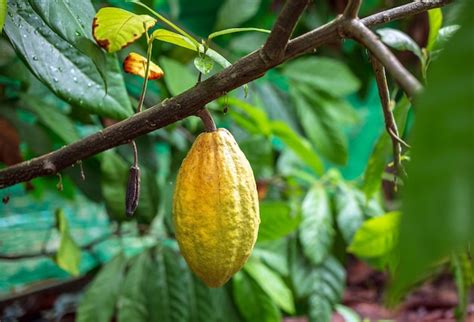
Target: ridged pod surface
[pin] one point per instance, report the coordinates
(215, 208)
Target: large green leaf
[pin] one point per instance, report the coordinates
(323, 74)
(438, 208)
(271, 283)
(276, 221)
(68, 256)
(115, 28)
(99, 300)
(316, 230)
(254, 304)
(57, 46)
(234, 12)
(300, 146)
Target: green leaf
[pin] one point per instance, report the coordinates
(271, 283)
(444, 35)
(377, 236)
(252, 301)
(300, 146)
(435, 17)
(437, 201)
(256, 115)
(276, 221)
(382, 151)
(173, 38)
(464, 279)
(322, 119)
(115, 28)
(58, 48)
(316, 230)
(204, 64)
(349, 213)
(234, 30)
(178, 78)
(234, 12)
(399, 40)
(323, 74)
(348, 314)
(68, 256)
(3, 13)
(52, 118)
(99, 300)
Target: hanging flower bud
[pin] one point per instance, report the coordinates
(133, 190)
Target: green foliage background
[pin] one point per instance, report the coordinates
(312, 130)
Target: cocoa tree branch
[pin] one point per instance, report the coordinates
(352, 9)
(188, 103)
(390, 124)
(275, 46)
(357, 30)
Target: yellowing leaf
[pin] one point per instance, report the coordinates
(114, 28)
(68, 256)
(136, 64)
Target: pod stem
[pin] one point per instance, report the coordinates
(207, 120)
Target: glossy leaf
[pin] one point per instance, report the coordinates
(115, 28)
(316, 230)
(271, 283)
(60, 51)
(68, 256)
(173, 38)
(377, 236)
(435, 17)
(399, 40)
(100, 297)
(276, 221)
(323, 74)
(252, 301)
(300, 146)
(204, 64)
(234, 12)
(438, 208)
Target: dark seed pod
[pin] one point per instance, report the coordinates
(133, 190)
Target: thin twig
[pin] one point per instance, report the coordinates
(147, 70)
(390, 124)
(188, 103)
(357, 30)
(352, 9)
(135, 153)
(275, 46)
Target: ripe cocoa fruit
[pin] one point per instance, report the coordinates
(215, 208)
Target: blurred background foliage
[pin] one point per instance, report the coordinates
(312, 129)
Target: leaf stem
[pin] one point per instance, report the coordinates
(207, 120)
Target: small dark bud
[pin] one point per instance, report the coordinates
(5, 199)
(133, 191)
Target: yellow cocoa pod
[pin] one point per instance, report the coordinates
(215, 208)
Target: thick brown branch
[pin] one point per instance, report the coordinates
(357, 30)
(188, 103)
(275, 46)
(352, 9)
(390, 124)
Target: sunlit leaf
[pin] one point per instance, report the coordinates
(173, 38)
(136, 64)
(3, 13)
(115, 28)
(234, 30)
(435, 17)
(68, 256)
